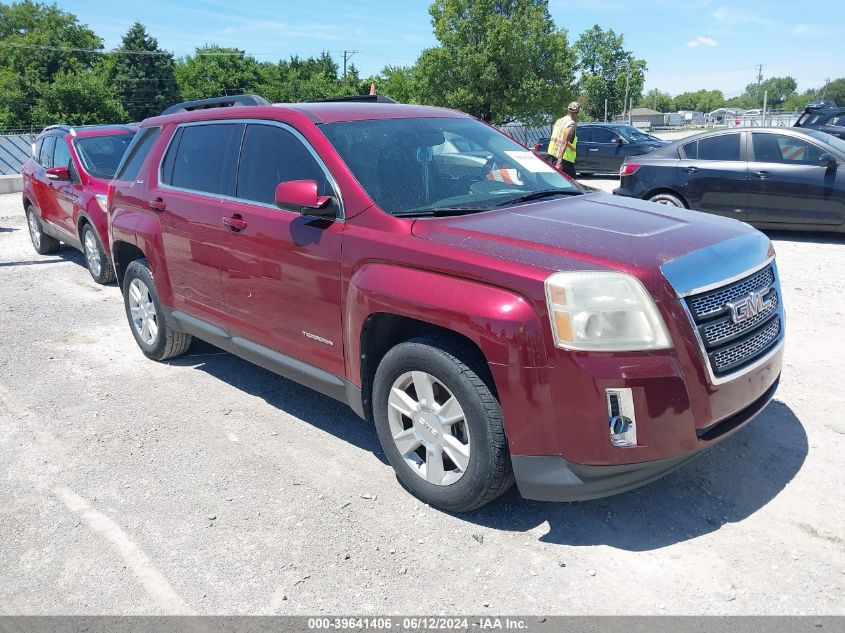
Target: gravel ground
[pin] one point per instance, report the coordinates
(208, 485)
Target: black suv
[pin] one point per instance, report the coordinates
(830, 120)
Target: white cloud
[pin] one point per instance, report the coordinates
(702, 41)
(731, 15)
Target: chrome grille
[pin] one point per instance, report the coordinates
(730, 346)
(733, 355)
(724, 329)
(713, 302)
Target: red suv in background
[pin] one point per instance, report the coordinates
(493, 319)
(64, 190)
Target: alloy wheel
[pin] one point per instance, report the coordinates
(34, 230)
(92, 254)
(429, 428)
(143, 311)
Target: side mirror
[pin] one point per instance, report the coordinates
(301, 196)
(58, 173)
(827, 160)
(621, 141)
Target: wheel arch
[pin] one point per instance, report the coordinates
(123, 254)
(668, 190)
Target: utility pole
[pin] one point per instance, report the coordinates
(627, 87)
(826, 81)
(347, 55)
(759, 77)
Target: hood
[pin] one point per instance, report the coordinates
(588, 232)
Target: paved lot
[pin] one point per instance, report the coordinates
(209, 485)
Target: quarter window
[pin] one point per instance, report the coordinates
(723, 147)
(838, 121)
(780, 148)
(271, 155)
(205, 158)
(584, 134)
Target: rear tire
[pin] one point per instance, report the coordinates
(146, 315)
(450, 450)
(43, 243)
(99, 263)
(670, 200)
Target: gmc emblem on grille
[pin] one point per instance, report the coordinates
(750, 306)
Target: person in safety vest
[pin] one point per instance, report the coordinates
(564, 140)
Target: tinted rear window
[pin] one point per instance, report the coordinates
(101, 155)
(135, 154)
(206, 158)
(724, 147)
(603, 135)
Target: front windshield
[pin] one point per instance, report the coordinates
(422, 166)
(101, 155)
(836, 143)
(632, 134)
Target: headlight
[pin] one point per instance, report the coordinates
(102, 200)
(603, 311)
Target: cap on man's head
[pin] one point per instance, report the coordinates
(574, 107)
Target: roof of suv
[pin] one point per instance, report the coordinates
(85, 131)
(319, 112)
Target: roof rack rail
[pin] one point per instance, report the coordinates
(60, 126)
(358, 98)
(217, 102)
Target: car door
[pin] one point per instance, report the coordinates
(606, 144)
(66, 192)
(197, 172)
(280, 270)
(787, 184)
(585, 149)
(713, 175)
(41, 185)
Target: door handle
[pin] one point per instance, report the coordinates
(236, 223)
(594, 149)
(158, 205)
(762, 175)
(691, 170)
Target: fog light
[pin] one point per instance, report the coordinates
(620, 413)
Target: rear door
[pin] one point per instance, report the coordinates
(585, 150)
(607, 149)
(280, 273)
(788, 186)
(42, 187)
(198, 172)
(714, 175)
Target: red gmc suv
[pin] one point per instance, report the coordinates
(495, 322)
(64, 190)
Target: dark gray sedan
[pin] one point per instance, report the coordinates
(777, 178)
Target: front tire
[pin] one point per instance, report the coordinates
(670, 200)
(99, 263)
(43, 243)
(440, 424)
(146, 315)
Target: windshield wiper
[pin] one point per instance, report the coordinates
(440, 211)
(537, 195)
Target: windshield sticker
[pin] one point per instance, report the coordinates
(509, 176)
(531, 162)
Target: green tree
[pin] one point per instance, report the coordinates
(657, 100)
(699, 101)
(500, 60)
(835, 91)
(303, 79)
(606, 68)
(397, 82)
(78, 99)
(215, 71)
(780, 90)
(146, 82)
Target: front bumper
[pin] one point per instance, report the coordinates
(552, 478)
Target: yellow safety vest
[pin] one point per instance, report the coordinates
(556, 147)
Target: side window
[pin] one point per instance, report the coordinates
(206, 159)
(691, 150)
(723, 147)
(137, 151)
(838, 120)
(585, 134)
(779, 148)
(170, 157)
(271, 155)
(61, 155)
(36, 149)
(603, 135)
(46, 154)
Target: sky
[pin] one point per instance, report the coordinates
(688, 44)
